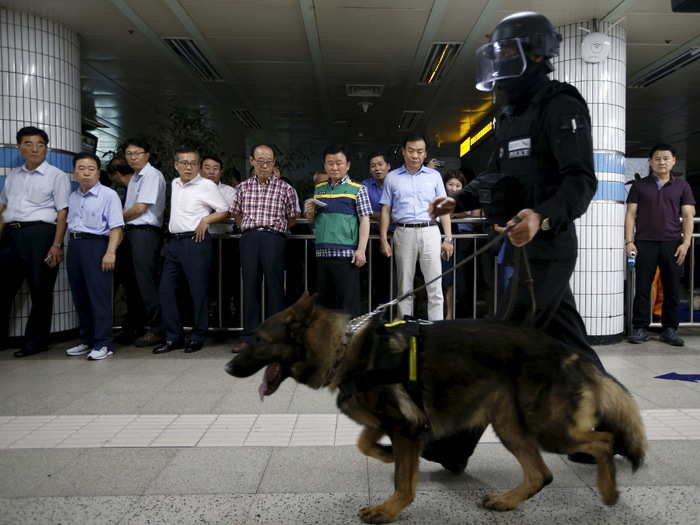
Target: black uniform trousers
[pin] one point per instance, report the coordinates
(556, 315)
(92, 290)
(381, 275)
(338, 282)
(144, 248)
(650, 255)
(262, 253)
(22, 254)
(192, 260)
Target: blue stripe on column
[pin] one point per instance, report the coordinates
(609, 163)
(2, 182)
(610, 191)
(10, 158)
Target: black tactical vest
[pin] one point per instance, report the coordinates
(523, 156)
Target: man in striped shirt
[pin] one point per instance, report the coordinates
(341, 227)
(264, 208)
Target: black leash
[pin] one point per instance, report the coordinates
(478, 252)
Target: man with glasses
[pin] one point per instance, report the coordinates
(195, 203)
(143, 217)
(264, 208)
(33, 212)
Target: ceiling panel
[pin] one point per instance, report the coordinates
(672, 29)
(278, 48)
(246, 19)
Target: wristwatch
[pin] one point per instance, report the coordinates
(544, 225)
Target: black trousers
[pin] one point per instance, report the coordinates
(226, 267)
(338, 283)
(144, 250)
(381, 275)
(262, 253)
(191, 260)
(133, 320)
(92, 291)
(556, 315)
(650, 255)
(22, 254)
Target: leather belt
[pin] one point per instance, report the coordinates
(128, 227)
(20, 225)
(82, 235)
(181, 235)
(263, 229)
(416, 224)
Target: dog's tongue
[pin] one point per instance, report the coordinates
(270, 380)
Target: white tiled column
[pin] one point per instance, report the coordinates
(598, 281)
(39, 86)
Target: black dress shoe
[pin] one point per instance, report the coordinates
(168, 346)
(193, 346)
(24, 352)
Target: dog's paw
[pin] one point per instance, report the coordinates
(376, 514)
(611, 498)
(498, 502)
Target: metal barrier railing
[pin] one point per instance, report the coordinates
(227, 246)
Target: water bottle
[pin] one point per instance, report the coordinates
(631, 259)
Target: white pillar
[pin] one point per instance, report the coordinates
(39, 86)
(598, 280)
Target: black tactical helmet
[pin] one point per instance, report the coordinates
(534, 30)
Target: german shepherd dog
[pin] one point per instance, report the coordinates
(535, 391)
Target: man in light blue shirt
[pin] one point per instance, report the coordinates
(95, 223)
(33, 210)
(408, 191)
(143, 215)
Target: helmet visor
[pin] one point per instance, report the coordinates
(499, 60)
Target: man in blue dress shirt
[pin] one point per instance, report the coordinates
(33, 210)
(380, 266)
(94, 230)
(408, 191)
(143, 217)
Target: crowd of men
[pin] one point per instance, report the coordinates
(116, 235)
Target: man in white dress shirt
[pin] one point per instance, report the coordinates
(195, 203)
(33, 212)
(143, 218)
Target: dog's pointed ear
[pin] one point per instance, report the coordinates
(304, 306)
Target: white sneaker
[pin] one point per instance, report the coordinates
(78, 350)
(98, 354)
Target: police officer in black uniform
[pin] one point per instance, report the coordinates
(542, 171)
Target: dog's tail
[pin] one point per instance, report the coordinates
(619, 414)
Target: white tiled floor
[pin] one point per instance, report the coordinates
(239, 430)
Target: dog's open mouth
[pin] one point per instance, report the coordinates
(272, 379)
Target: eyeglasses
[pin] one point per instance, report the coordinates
(261, 162)
(134, 153)
(31, 145)
(188, 163)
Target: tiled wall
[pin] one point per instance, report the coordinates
(39, 86)
(598, 281)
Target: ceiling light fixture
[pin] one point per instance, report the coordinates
(438, 61)
(646, 79)
(188, 51)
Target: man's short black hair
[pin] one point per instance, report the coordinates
(119, 165)
(662, 147)
(86, 155)
(29, 131)
(414, 137)
(333, 149)
(214, 158)
(186, 149)
(381, 154)
(138, 142)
